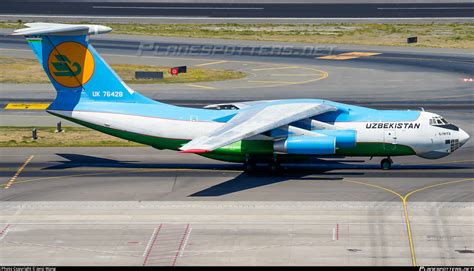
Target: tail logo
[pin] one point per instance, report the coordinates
(63, 66)
(71, 64)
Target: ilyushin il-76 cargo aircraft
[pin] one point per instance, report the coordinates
(91, 94)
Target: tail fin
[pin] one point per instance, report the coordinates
(75, 69)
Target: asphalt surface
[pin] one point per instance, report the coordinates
(258, 10)
(243, 12)
(145, 174)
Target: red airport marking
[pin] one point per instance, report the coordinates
(152, 245)
(180, 245)
(337, 231)
(4, 229)
(133, 242)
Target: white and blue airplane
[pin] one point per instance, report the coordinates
(90, 93)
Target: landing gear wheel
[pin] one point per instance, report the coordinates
(275, 168)
(386, 163)
(250, 167)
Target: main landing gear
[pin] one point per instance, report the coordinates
(274, 166)
(250, 165)
(386, 163)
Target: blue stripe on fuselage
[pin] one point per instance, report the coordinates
(348, 113)
(345, 113)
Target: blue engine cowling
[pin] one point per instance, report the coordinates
(344, 138)
(308, 145)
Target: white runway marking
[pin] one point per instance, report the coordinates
(185, 242)
(155, 236)
(178, 252)
(227, 18)
(432, 8)
(4, 231)
(149, 242)
(177, 8)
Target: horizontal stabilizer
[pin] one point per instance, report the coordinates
(38, 29)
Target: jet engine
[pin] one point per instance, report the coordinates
(309, 145)
(344, 138)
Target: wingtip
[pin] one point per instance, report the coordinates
(194, 151)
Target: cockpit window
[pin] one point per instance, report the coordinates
(438, 121)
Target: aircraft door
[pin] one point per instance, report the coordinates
(390, 139)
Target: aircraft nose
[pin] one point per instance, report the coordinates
(463, 136)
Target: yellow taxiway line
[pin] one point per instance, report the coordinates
(276, 68)
(199, 86)
(12, 180)
(211, 63)
(405, 209)
(349, 55)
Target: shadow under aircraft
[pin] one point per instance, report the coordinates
(85, 161)
(328, 171)
(312, 165)
(313, 169)
(246, 181)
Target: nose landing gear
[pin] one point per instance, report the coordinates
(386, 163)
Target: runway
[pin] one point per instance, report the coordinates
(196, 12)
(261, 10)
(140, 206)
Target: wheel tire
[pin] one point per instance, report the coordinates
(386, 164)
(275, 168)
(250, 167)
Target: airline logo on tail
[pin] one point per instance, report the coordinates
(71, 64)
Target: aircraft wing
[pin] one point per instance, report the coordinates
(254, 121)
(236, 105)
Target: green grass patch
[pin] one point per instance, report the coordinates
(19, 70)
(443, 35)
(70, 137)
